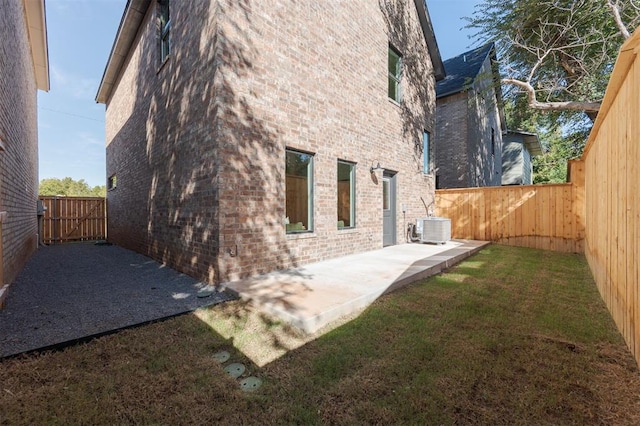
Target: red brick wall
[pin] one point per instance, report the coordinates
(19, 134)
(198, 146)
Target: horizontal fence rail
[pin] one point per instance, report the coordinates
(69, 219)
(547, 217)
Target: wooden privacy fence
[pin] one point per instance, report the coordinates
(612, 195)
(549, 217)
(68, 219)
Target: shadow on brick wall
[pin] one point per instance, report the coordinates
(200, 173)
(414, 70)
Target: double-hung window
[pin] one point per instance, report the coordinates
(346, 195)
(165, 29)
(395, 75)
(299, 191)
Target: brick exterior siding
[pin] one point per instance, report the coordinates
(452, 158)
(19, 135)
(198, 143)
(463, 135)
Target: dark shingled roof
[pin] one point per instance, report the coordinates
(462, 70)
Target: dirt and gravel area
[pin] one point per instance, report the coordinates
(74, 291)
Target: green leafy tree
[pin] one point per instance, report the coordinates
(560, 140)
(558, 53)
(70, 188)
(556, 57)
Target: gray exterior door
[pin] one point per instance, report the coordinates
(388, 210)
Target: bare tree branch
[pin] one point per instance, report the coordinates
(551, 106)
(616, 15)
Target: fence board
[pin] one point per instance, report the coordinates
(612, 204)
(537, 216)
(68, 219)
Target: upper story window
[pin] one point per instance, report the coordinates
(426, 150)
(165, 29)
(112, 182)
(299, 191)
(395, 75)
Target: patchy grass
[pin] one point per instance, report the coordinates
(511, 336)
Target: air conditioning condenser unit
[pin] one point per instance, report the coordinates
(435, 230)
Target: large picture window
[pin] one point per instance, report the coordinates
(299, 195)
(346, 195)
(395, 75)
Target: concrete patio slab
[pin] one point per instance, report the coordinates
(312, 296)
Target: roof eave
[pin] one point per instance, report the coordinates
(37, 30)
(430, 38)
(452, 92)
(533, 145)
(132, 18)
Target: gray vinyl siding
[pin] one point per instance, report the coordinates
(527, 178)
(512, 161)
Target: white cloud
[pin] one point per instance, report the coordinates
(87, 138)
(73, 85)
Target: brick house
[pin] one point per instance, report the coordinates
(469, 121)
(246, 137)
(23, 70)
(518, 148)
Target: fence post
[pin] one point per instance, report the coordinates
(54, 219)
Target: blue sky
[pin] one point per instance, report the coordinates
(81, 33)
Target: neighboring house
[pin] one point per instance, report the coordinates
(245, 137)
(470, 121)
(23, 70)
(517, 149)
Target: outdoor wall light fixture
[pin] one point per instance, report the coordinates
(376, 168)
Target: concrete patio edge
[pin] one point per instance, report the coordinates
(312, 297)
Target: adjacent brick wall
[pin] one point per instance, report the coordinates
(463, 135)
(452, 159)
(485, 167)
(161, 144)
(199, 146)
(18, 132)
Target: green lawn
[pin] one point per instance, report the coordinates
(510, 336)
